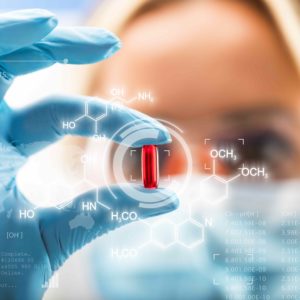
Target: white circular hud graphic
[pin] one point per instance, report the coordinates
(131, 134)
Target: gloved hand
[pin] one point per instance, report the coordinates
(31, 249)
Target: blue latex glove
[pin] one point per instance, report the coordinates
(32, 249)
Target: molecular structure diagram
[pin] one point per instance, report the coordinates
(186, 226)
(56, 188)
(182, 228)
(116, 102)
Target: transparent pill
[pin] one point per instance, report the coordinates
(150, 171)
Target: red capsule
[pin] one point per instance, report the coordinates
(150, 166)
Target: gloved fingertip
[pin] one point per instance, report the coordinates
(154, 212)
(106, 36)
(161, 138)
(43, 16)
(80, 45)
(53, 22)
(114, 48)
(168, 203)
(106, 42)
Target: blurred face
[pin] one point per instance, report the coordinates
(219, 70)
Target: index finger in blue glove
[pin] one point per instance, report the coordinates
(38, 126)
(66, 231)
(22, 28)
(72, 45)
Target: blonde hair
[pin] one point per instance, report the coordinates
(114, 15)
(286, 15)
